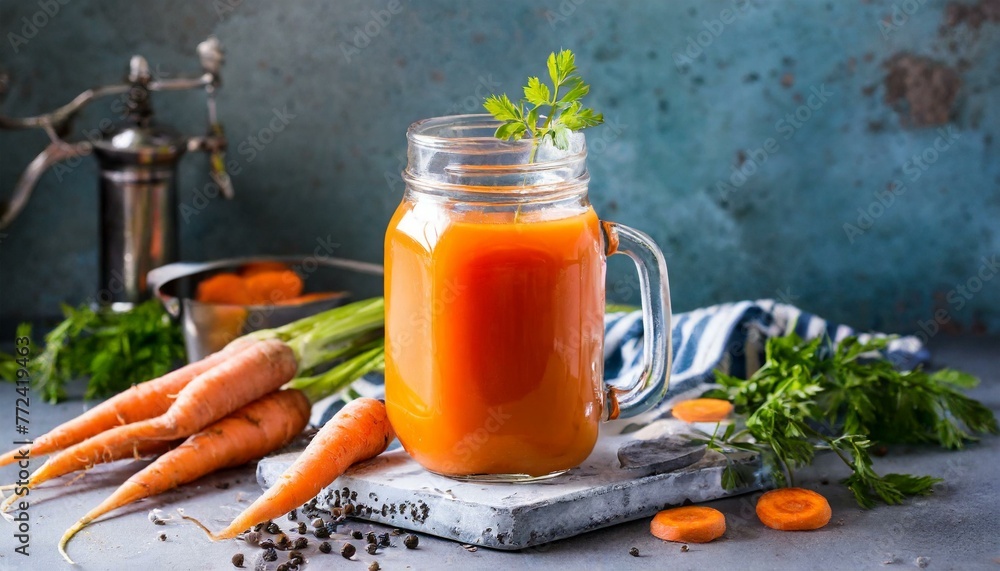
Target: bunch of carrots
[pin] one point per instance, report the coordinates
(786, 509)
(237, 405)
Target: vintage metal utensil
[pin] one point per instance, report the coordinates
(138, 159)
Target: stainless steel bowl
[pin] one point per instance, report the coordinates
(208, 327)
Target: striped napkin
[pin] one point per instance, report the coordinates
(729, 337)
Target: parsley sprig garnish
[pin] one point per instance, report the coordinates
(565, 110)
(808, 398)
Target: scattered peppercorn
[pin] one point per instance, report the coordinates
(267, 543)
(348, 551)
(163, 537)
(273, 528)
(322, 533)
(411, 541)
(283, 541)
(383, 540)
(260, 526)
(296, 557)
(397, 531)
(634, 552)
(356, 534)
(238, 560)
(373, 566)
(371, 548)
(270, 554)
(685, 549)
(318, 522)
(301, 528)
(325, 547)
(371, 537)
(283, 567)
(300, 543)
(252, 537)
(293, 515)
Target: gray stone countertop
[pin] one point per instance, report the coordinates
(956, 528)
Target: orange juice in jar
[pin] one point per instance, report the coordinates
(494, 292)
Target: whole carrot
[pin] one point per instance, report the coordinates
(360, 431)
(251, 432)
(248, 375)
(140, 449)
(142, 401)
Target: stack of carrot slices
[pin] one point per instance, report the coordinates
(260, 283)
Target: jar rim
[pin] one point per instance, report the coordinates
(472, 132)
(458, 156)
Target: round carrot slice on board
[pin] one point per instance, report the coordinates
(702, 410)
(689, 524)
(793, 509)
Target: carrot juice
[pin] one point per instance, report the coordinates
(494, 329)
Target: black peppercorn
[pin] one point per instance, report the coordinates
(238, 560)
(373, 566)
(283, 541)
(356, 534)
(318, 522)
(411, 541)
(273, 528)
(634, 552)
(270, 554)
(684, 548)
(322, 533)
(283, 567)
(267, 544)
(347, 551)
(252, 538)
(163, 537)
(325, 547)
(371, 548)
(383, 540)
(300, 543)
(301, 527)
(371, 537)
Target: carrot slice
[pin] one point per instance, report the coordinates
(689, 524)
(309, 297)
(793, 509)
(702, 410)
(223, 288)
(271, 287)
(260, 267)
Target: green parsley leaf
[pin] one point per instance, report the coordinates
(565, 113)
(809, 396)
(113, 349)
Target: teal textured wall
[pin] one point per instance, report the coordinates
(743, 136)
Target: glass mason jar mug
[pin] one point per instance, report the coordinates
(495, 296)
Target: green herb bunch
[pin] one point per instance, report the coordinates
(565, 110)
(113, 349)
(809, 397)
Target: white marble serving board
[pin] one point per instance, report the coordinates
(395, 490)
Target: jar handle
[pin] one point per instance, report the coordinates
(650, 385)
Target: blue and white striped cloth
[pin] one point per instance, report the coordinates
(729, 337)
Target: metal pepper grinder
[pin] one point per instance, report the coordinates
(138, 170)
